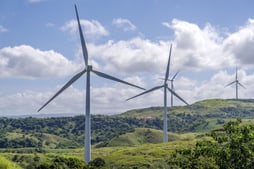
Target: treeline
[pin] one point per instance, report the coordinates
(55, 162)
(33, 132)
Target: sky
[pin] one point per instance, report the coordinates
(40, 51)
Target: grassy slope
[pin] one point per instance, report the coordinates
(210, 106)
(145, 135)
(153, 155)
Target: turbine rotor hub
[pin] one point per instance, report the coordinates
(89, 67)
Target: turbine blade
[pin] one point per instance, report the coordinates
(167, 71)
(147, 91)
(72, 80)
(230, 83)
(174, 93)
(115, 79)
(236, 74)
(242, 85)
(175, 75)
(83, 43)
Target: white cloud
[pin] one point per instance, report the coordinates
(27, 62)
(104, 100)
(194, 49)
(240, 44)
(92, 29)
(2, 29)
(35, 1)
(198, 48)
(125, 24)
(50, 25)
(135, 55)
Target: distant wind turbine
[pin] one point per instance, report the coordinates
(236, 81)
(172, 87)
(165, 86)
(88, 68)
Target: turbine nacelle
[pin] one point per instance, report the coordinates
(89, 68)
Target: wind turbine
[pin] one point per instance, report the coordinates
(88, 69)
(236, 81)
(165, 87)
(172, 86)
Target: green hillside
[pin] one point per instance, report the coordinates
(133, 139)
(229, 147)
(68, 132)
(223, 108)
(146, 136)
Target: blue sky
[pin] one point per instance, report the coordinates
(40, 51)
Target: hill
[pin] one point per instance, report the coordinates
(68, 132)
(219, 108)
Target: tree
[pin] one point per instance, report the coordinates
(232, 147)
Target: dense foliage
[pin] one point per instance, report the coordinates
(232, 147)
(61, 163)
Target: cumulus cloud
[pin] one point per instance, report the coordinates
(92, 29)
(240, 44)
(2, 29)
(198, 48)
(125, 24)
(206, 48)
(194, 49)
(132, 56)
(27, 62)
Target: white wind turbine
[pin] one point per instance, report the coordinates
(236, 81)
(165, 87)
(88, 68)
(172, 87)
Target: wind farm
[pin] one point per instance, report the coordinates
(58, 111)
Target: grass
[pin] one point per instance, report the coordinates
(142, 156)
(6, 164)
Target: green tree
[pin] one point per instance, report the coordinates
(232, 147)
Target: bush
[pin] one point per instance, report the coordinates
(97, 162)
(6, 164)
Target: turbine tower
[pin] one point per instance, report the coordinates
(172, 87)
(88, 69)
(236, 81)
(165, 87)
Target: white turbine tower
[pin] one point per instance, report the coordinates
(236, 81)
(88, 68)
(165, 87)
